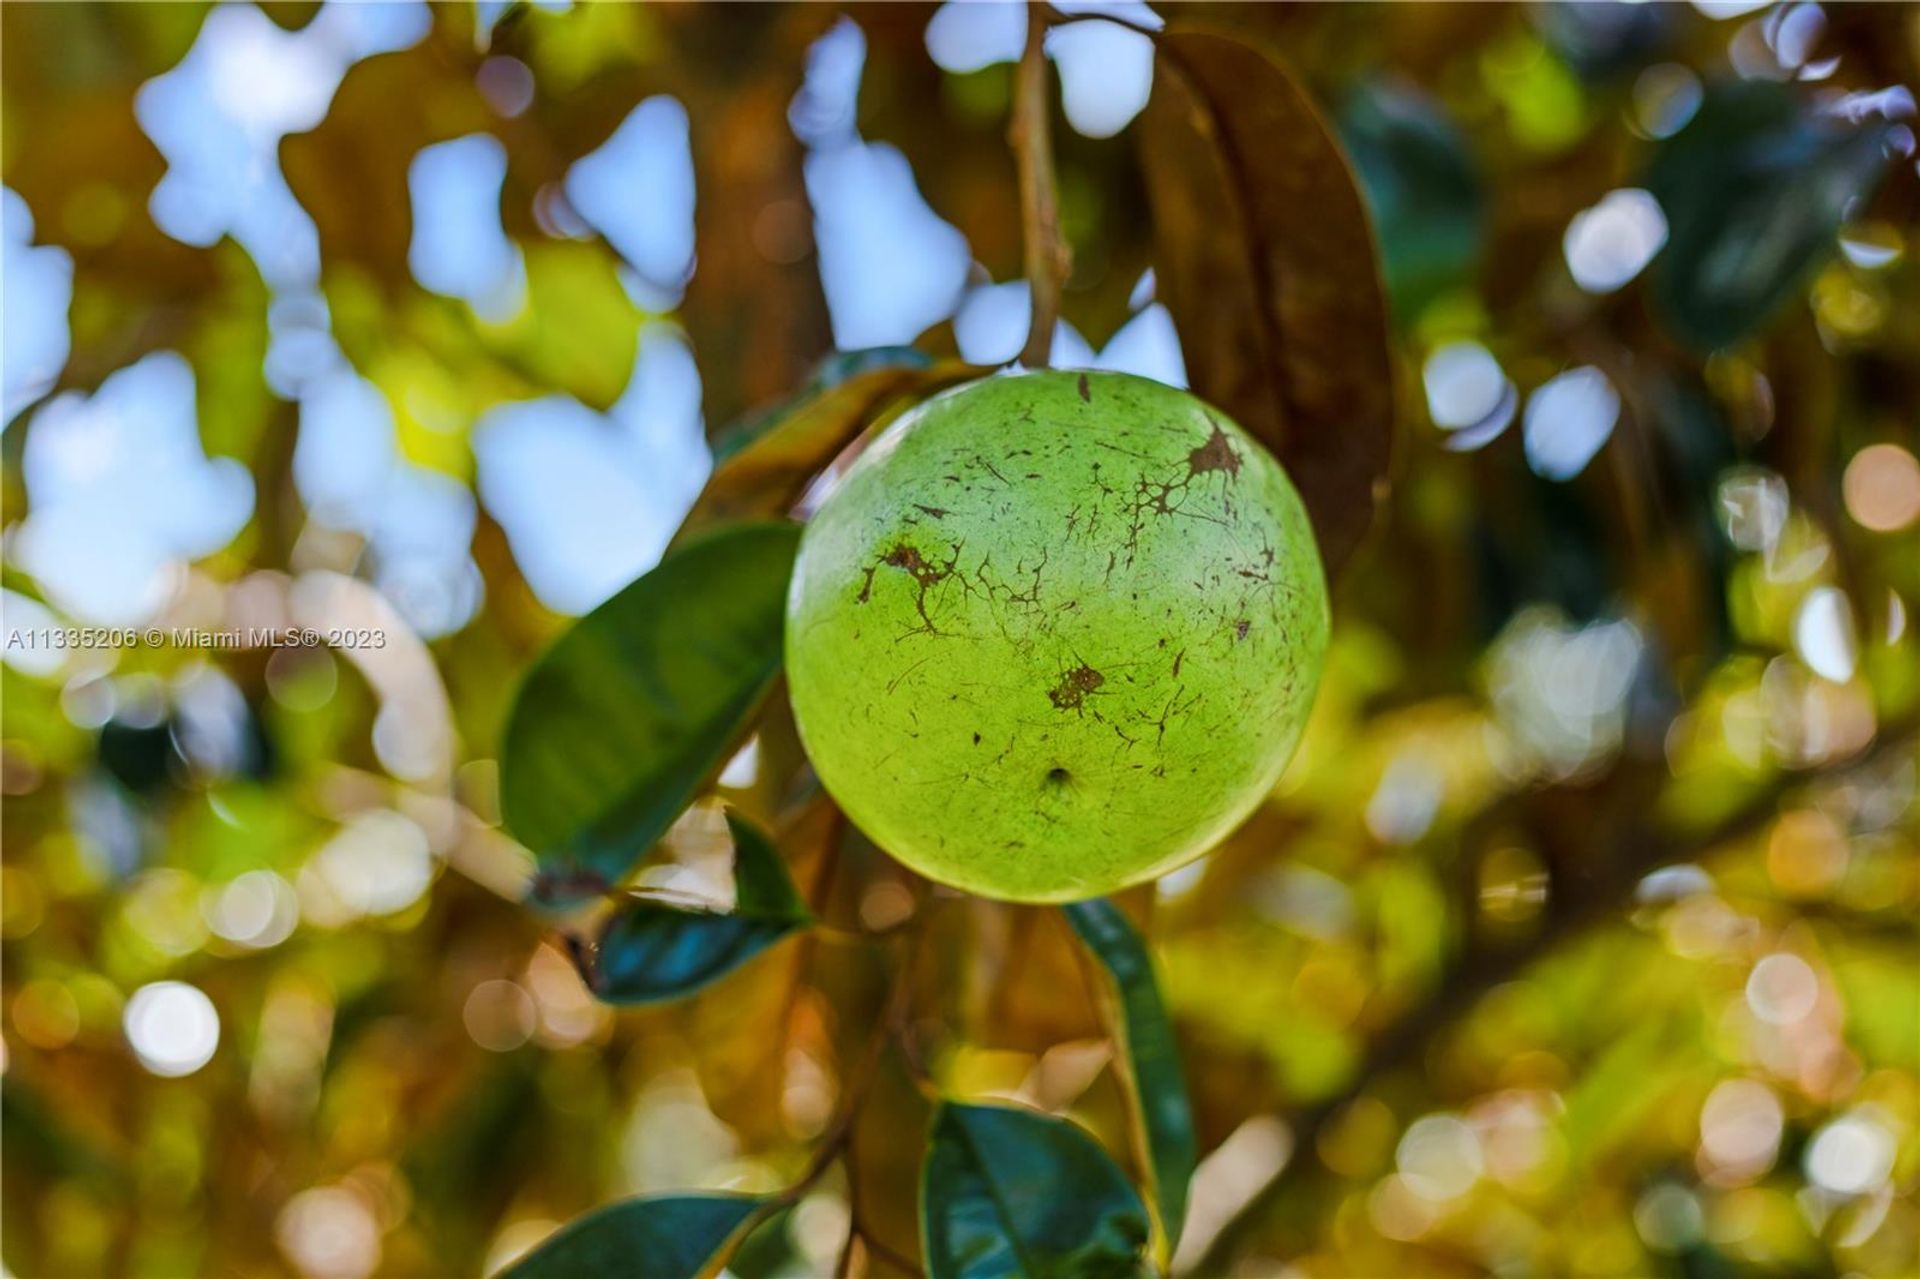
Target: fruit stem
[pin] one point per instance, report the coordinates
(1048, 259)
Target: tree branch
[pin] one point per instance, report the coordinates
(1048, 259)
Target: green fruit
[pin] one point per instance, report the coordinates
(1055, 633)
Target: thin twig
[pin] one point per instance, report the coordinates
(836, 1144)
(850, 1168)
(843, 1268)
(860, 1078)
(1048, 259)
(838, 1138)
(871, 1246)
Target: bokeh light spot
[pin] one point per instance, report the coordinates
(1882, 488)
(1782, 989)
(257, 910)
(1852, 1155)
(329, 1232)
(1823, 634)
(499, 1015)
(1608, 244)
(1568, 420)
(1740, 1127)
(1465, 385)
(1440, 1157)
(173, 1028)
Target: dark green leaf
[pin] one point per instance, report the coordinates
(765, 464)
(650, 951)
(1159, 1090)
(656, 1237)
(768, 1251)
(621, 722)
(1423, 188)
(1009, 1192)
(1755, 189)
(1267, 262)
(761, 883)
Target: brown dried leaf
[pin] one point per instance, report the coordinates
(1266, 258)
(768, 473)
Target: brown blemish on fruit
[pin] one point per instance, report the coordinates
(1217, 454)
(907, 558)
(1072, 690)
(1086, 393)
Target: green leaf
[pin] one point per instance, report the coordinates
(655, 1237)
(763, 466)
(619, 725)
(768, 1251)
(1005, 1191)
(650, 952)
(1266, 259)
(1755, 189)
(761, 882)
(1159, 1091)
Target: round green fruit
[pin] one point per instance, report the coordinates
(1055, 633)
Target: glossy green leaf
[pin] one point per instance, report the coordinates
(655, 1237)
(1159, 1091)
(619, 724)
(1006, 1191)
(761, 883)
(650, 951)
(769, 1250)
(1755, 189)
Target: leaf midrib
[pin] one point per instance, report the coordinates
(995, 1196)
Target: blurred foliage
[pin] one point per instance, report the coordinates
(1578, 940)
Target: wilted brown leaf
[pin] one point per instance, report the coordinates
(1266, 258)
(768, 473)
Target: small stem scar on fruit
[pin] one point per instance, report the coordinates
(1048, 259)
